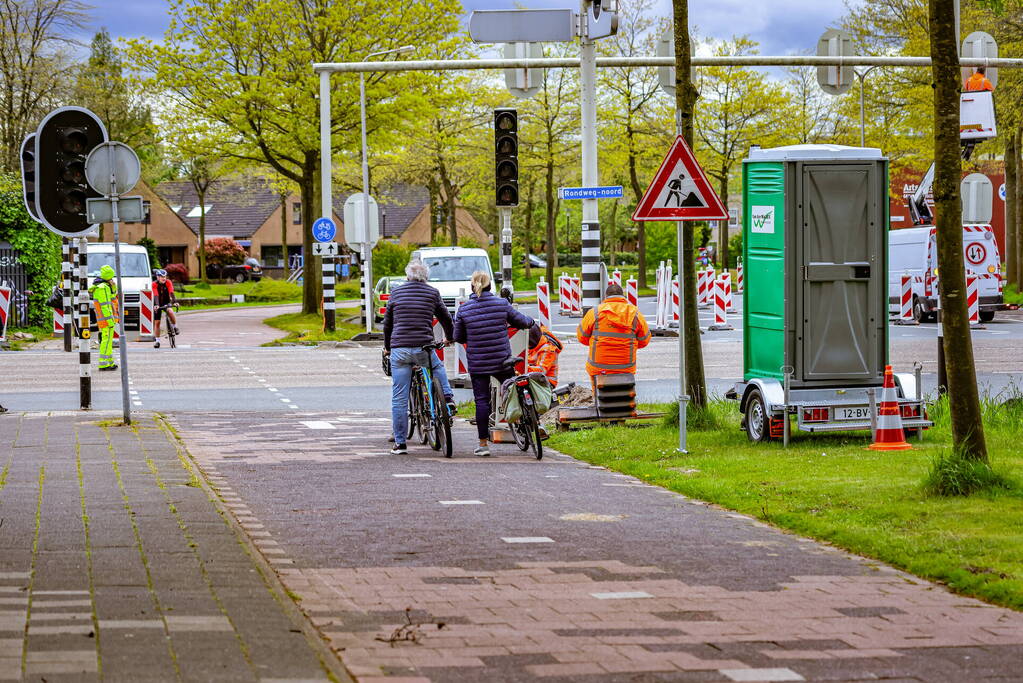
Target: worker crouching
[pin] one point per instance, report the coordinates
(613, 330)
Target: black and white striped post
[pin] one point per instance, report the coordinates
(84, 333)
(65, 286)
(506, 251)
(329, 320)
(591, 264)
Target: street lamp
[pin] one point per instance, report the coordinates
(367, 249)
(862, 75)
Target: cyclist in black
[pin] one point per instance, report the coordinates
(163, 295)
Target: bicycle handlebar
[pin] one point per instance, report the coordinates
(436, 346)
(174, 305)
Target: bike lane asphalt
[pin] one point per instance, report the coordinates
(419, 568)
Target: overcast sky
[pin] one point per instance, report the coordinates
(780, 26)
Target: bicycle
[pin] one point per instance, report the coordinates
(171, 328)
(526, 430)
(427, 409)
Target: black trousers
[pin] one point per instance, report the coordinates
(481, 392)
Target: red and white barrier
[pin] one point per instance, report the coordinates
(616, 277)
(519, 340)
(58, 323)
(147, 316)
(5, 309)
(973, 299)
(738, 276)
(543, 302)
(704, 288)
(674, 303)
(726, 278)
(455, 360)
(906, 301)
(720, 313)
(663, 316)
(564, 295)
(577, 297)
(632, 291)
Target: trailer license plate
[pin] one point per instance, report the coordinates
(853, 413)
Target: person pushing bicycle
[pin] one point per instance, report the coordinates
(408, 327)
(163, 298)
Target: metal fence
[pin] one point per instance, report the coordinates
(12, 274)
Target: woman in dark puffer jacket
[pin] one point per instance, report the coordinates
(482, 325)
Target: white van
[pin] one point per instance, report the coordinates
(451, 270)
(913, 251)
(136, 274)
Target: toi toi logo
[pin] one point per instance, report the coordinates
(762, 219)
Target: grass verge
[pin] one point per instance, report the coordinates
(263, 293)
(307, 328)
(38, 332)
(832, 488)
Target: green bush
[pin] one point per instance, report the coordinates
(953, 474)
(274, 290)
(390, 259)
(152, 249)
(39, 249)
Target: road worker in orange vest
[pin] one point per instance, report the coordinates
(104, 298)
(544, 348)
(613, 331)
(978, 81)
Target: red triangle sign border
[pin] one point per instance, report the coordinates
(680, 152)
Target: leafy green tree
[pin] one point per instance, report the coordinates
(246, 67)
(152, 249)
(38, 247)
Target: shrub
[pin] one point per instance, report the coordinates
(38, 249)
(151, 248)
(223, 251)
(390, 259)
(274, 290)
(954, 474)
(177, 272)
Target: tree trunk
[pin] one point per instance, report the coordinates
(612, 234)
(552, 217)
(1011, 234)
(310, 273)
(723, 230)
(201, 193)
(284, 235)
(963, 397)
(1019, 209)
(637, 190)
(527, 231)
(685, 103)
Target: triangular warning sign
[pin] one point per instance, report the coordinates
(680, 191)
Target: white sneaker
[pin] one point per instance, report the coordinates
(482, 451)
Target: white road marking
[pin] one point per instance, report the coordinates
(762, 674)
(318, 424)
(527, 539)
(461, 502)
(293, 406)
(622, 595)
(411, 476)
(261, 380)
(271, 389)
(286, 400)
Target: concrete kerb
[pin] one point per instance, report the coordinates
(328, 658)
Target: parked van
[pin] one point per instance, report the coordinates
(451, 270)
(136, 274)
(913, 251)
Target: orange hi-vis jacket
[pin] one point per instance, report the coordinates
(978, 81)
(544, 356)
(613, 331)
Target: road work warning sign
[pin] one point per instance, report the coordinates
(680, 191)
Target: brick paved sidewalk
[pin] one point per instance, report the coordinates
(115, 565)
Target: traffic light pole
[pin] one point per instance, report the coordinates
(123, 345)
(590, 217)
(65, 286)
(84, 333)
(506, 251)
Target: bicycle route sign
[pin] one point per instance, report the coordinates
(324, 230)
(325, 249)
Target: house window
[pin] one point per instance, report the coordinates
(271, 255)
(296, 213)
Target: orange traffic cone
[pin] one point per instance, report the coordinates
(889, 436)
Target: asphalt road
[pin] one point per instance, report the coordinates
(220, 364)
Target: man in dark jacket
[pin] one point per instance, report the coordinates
(408, 327)
(482, 325)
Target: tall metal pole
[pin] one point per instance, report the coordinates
(84, 332)
(683, 397)
(863, 126)
(326, 201)
(367, 251)
(506, 251)
(591, 217)
(65, 271)
(123, 345)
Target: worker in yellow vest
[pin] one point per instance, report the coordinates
(104, 298)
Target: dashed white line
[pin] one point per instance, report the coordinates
(622, 595)
(317, 424)
(411, 476)
(527, 539)
(461, 502)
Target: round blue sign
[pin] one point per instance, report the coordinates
(324, 230)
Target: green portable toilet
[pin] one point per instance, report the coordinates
(815, 222)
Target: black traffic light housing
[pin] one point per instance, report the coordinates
(63, 141)
(506, 157)
(28, 173)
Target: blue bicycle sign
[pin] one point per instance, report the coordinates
(324, 230)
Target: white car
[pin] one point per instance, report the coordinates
(913, 252)
(451, 270)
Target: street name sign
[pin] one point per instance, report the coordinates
(604, 192)
(325, 249)
(680, 190)
(522, 26)
(324, 230)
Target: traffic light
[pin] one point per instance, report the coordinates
(506, 161)
(63, 141)
(28, 173)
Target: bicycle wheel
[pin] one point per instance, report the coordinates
(520, 433)
(534, 423)
(413, 408)
(441, 421)
(171, 337)
(425, 420)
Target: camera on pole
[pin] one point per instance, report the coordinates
(63, 141)
(506, 161)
